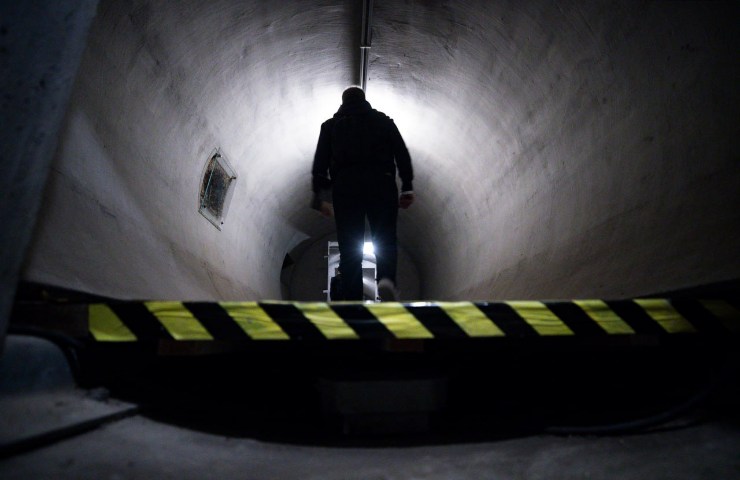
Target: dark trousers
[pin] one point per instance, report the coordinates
(355, 197)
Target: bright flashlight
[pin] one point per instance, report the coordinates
(368, 248)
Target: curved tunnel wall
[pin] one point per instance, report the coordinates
(561, 150)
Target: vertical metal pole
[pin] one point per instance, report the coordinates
(365, 41)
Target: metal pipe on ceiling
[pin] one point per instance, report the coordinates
(365, 41)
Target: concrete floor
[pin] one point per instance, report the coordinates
(195, 429)
(138, 447)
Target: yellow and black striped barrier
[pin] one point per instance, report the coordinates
(236, 321)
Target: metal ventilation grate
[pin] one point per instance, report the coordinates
(216, 189)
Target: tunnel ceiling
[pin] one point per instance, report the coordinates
(561, 149)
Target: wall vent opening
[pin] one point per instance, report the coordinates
(216, 188)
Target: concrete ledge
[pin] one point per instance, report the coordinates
(39, 400)
(30, 364)
(30, 421)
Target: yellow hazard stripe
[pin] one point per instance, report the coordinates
(105, 326)
(398, 320)
(665, 315)
(728, 315)
(540, 318)
(178, 320)
(254, 321)
(326, 320)
(605, 317)
(469, 317)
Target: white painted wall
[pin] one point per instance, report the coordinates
(163, 84)
(562, 149)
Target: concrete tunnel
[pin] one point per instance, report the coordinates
(561, 150)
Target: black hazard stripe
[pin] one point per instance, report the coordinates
(636, 317)
(216, 320)
(292, 321)
(362, 321)
(437, 322)
(698, 315)
(576, 319)
(142, 323)
(726, 310)
(507, 320)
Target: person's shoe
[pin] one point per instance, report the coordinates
(387, 290)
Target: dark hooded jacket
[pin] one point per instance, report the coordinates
(360, 140)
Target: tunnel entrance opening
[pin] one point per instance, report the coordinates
(307, 276)
(369, 267)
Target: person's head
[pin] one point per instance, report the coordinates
(353, 94)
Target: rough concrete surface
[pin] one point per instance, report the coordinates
(31, 419)
(138, 448)
(562, 149)
(41, 45)
(39, 398)
(33, 365)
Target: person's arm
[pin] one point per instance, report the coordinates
(405, 170)
(322, 160)
(320, 183)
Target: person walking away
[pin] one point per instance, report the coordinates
(358, 155)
